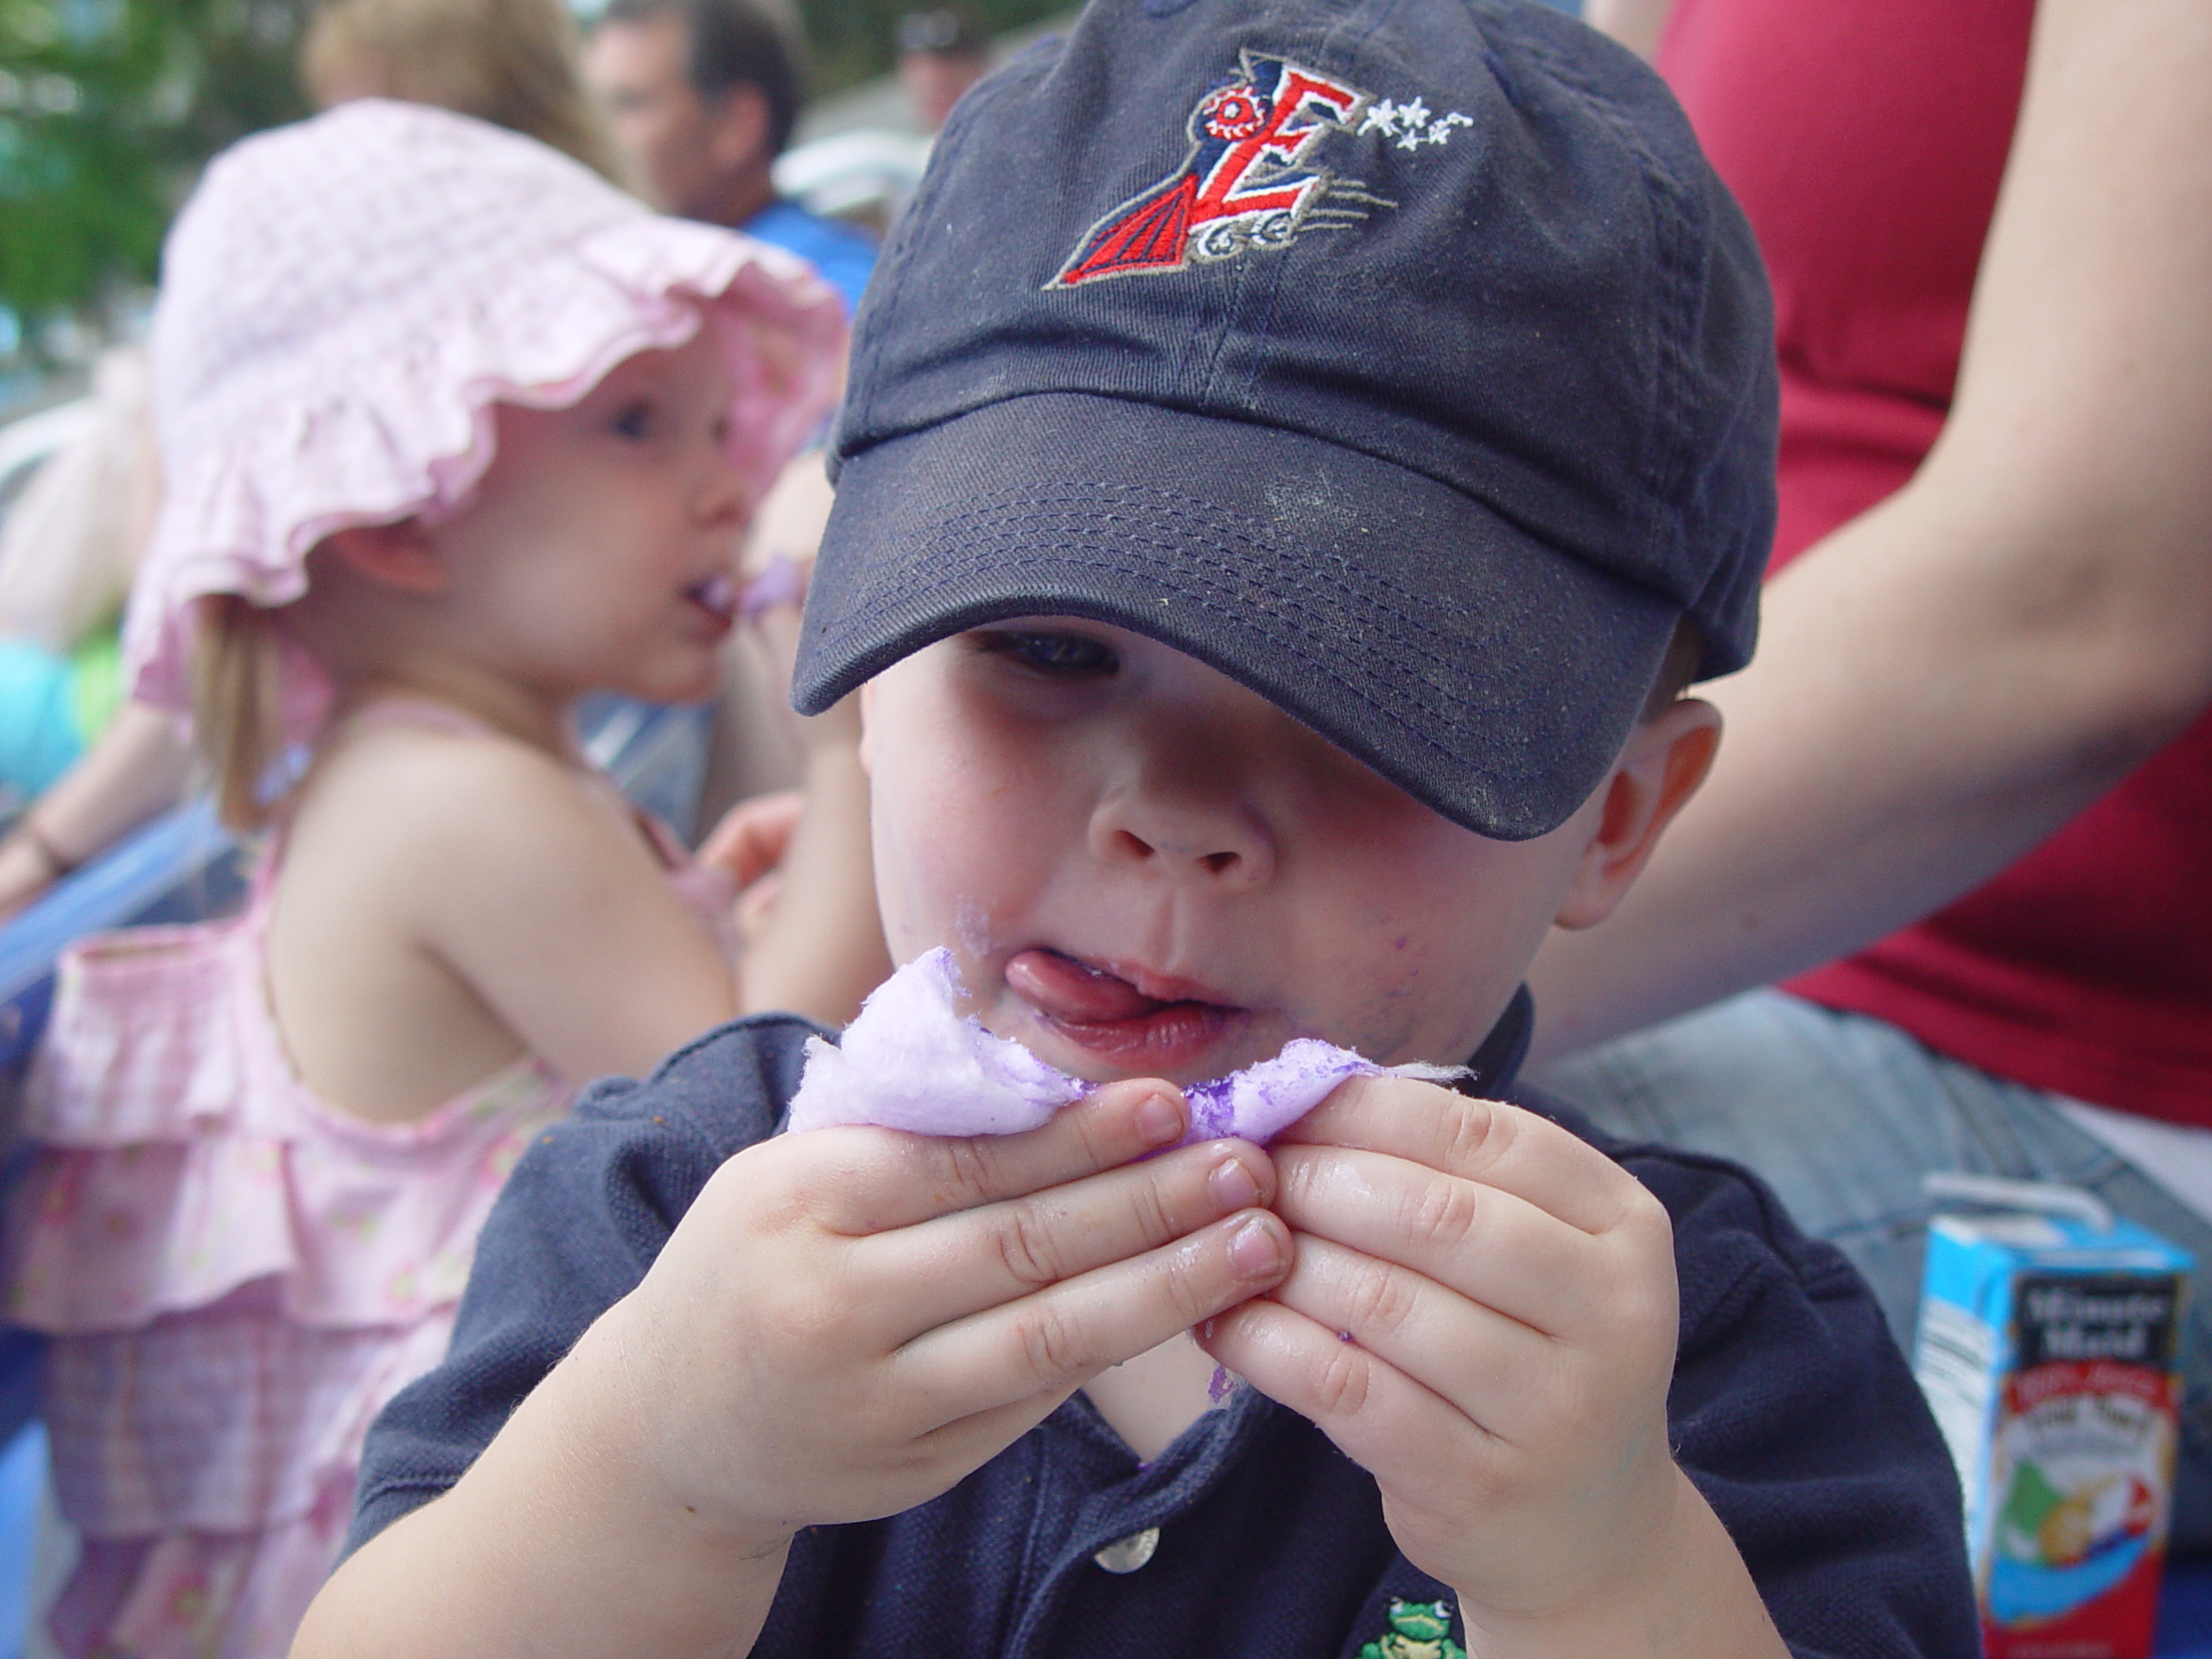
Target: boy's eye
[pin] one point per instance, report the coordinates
(633, 420)
(1060, 655)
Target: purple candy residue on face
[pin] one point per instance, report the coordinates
(912, 1060)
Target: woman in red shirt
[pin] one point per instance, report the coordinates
(1978, 712)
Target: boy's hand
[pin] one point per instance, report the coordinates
(849, 1321)
(1505, 1296)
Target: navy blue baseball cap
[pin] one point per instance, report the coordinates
(1402, 360)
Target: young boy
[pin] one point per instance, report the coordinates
(1296, 454)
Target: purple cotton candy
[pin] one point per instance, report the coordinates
(1262, 1101)
(913, 1061)
(782, 580)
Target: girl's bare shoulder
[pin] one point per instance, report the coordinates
(449, 805)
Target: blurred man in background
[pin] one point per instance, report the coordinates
(701, 95)
(942, 52)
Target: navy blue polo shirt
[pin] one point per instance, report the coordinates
(1252, 1536)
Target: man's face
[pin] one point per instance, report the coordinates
(638, 72)
(1144, 869)
(934, 81)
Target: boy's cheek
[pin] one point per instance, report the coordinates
(1401, 991)
(944, 878)
(907, 928)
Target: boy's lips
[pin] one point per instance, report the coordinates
(1162, 1025)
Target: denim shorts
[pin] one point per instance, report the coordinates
(1842, 1115)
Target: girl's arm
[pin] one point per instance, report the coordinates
(137, 767)
(1951, 677)
(818, 949)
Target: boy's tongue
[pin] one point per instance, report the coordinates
(1063, 989)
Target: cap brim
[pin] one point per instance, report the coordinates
(1489, 675)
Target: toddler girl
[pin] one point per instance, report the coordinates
(453, 433)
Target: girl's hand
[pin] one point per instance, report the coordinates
(778, 562)
(1482, 1315)
(751, 840)
(849, 1321)
(776, 628)
(27, 871)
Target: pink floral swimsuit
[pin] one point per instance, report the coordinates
(236, 1275)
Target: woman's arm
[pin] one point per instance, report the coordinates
(1949, 678)
(1636, 24)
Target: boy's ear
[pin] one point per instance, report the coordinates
(1666, 759)
(400, 555)
(867, 727)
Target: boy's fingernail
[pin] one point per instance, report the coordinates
(1232, 1184)
(1254, 1250)
(1161, 1117)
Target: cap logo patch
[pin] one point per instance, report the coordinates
(1250, 179)
(1411, 125)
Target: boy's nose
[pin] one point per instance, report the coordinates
(1218, 845)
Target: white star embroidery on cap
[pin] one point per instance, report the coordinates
(1411, 124)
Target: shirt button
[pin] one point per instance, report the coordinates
(1127, 1555)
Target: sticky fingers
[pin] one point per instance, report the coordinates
(891, 1179)
(1501, 1369)
(1378, 1415)
(1483, 1314)
(841, 1375)
(982, 1258)
(1054, 1340)
(1489, 1245)
(1501, 1145)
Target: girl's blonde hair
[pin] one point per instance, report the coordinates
(511, 62)
(238, 719)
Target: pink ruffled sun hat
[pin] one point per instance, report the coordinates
(344, 299)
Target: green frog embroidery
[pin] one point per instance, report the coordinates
(1419, 1630)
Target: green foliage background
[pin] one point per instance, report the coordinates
(108, 108)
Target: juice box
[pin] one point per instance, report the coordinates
(2046, 1349)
